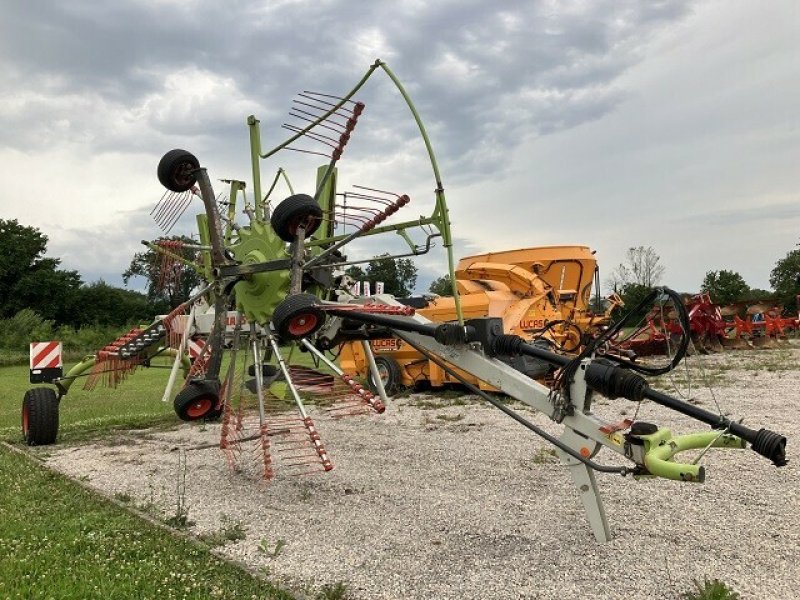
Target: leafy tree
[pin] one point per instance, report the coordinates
(785, 279)
(442, 286)
(631, 295)
(725, 287)
(28, 279)
(399, 275)
(756, 295)
(177, 286)
(641, 267)
(356, 273)
(106, 305)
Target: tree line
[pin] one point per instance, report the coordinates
(29, 280)
(642, 270)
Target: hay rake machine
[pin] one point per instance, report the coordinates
(281, 271)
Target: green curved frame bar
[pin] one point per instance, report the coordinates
(440, 217)
(661, 447)
(65, 382)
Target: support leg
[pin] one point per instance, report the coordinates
(373, 369)
(173, 374)
(584, 479)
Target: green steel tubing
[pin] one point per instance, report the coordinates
(236, 187)
(383, 229)
(661, 447)
(441, 206)
(280, 173)
(440, 217)
(320, 119)
(65, 382)
(255, 151)
(205, 239)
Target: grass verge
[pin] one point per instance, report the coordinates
(61, 541)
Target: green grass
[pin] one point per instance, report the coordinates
(60, 541)
(136, 403)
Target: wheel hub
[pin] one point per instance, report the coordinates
(259, 294)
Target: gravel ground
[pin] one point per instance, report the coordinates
(461, 502)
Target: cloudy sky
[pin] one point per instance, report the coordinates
(605, 123)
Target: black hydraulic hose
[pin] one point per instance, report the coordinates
(398, 323)
(767, 443)
(513, 414)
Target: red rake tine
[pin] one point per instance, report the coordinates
(298, 114)
(319, 137)
(304, 151)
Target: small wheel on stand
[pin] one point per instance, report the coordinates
(40, 417)
(176, 170)
(294, 211)
(298, 316)
(198, 400)
(390, 374)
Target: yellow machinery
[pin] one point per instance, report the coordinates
(538, 293)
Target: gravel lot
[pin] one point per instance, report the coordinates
(461, 502)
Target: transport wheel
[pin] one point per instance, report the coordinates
(298, 316)
(390, 375)
(176, 170)
(198, 400)
(40, 416)
(300, 209)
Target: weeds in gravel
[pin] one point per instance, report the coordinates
(232, 531)
(305, 494)
(436, 403)
(710, 589)
(122, 497)
(180, 519)
(335, 591)
(544, 456)
(271, 551)
(450, 418)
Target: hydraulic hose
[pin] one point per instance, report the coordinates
(603, 377)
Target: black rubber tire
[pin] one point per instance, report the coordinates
(176, 170)
(197, 401)
(40, 416)
(294, 210)
(267, 370)
(392, 382)
(297, 307)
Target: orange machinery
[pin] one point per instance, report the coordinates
(538, 292)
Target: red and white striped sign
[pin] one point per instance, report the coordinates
(195, 347)
(46, 355)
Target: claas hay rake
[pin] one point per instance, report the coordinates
(281, 271)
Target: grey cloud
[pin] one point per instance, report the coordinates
(485, 75)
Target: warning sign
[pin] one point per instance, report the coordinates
(196, 347)
(45, 361)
